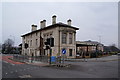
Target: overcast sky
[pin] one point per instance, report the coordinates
(93, 19)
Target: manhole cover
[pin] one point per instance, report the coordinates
(25, 76)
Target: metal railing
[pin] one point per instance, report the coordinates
(25, 58)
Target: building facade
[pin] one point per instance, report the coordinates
(64, 36)
(86, 48)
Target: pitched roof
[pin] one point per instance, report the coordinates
(89, 42)
(52, 26)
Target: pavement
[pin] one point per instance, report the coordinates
(11, 60)
(38, 63)
(8, 59)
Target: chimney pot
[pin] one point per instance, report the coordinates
(69, 22)
(41, 21)
(44, 20)
(53, 16)
(44, 23)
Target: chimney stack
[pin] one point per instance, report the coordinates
(44, 23)
(34, 27)
(69, 22)
(41, 24)
(54, 19)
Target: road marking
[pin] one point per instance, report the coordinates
(25, 76)
(16, 71)
(6, 73)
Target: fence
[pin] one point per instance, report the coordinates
(45, 59)
(25, 58)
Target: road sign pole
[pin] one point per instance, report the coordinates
(63, 58)
(50, 58)
(64, 52)
(50, 52)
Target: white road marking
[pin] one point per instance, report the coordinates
(6, 73)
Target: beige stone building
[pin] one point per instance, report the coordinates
(64, 36)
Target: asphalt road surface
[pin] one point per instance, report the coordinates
(108, 69)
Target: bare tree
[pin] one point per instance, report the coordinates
(9, 42)
(7, 47)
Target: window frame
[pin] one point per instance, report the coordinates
(64, 38)
(70, 38)
(36, 42)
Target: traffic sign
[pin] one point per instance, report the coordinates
(63, 51)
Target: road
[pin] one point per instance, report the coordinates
(108, 69)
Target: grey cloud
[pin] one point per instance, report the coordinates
(93, 19)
